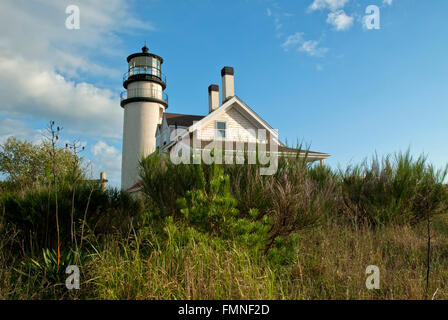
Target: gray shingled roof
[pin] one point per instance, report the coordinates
(183, 120)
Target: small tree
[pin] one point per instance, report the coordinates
(19, 162)
(25, 164)
(212, 210)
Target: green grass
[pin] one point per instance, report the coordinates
(202, 232)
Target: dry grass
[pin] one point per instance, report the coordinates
(193, 272)
(333, 259)
(331, 263)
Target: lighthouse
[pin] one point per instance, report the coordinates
(144, 102)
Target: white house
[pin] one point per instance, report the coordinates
(148, 128)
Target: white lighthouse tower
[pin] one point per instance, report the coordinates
(144, 103)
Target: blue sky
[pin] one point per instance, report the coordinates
(309, 68)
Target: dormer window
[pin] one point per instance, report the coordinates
(220, 129)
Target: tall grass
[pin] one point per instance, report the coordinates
(227, 232)
(196, 270)
(398, 189)
(30, 212)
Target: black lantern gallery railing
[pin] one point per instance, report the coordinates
(144, 93)
(144, 70)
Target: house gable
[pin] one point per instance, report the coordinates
(241, 125)
(238, 127)
(243, 117)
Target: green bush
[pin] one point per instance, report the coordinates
(236, 202)
(32, 213)
(165, 182)
(398, 190)
(212, 210)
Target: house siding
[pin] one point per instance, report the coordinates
(237, 127)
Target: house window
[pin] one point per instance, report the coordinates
(220, 129)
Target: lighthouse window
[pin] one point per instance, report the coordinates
(145, 65)
(221, 129)
(154, 65)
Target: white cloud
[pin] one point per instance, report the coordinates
(292, 40)
(44, 66)
(102, 148)
(16, 128)
(340, 20)
(278, 16)
(277, 24)
(337, 17)
(388, 2)
(311, 47)
(107, 158)
(327, 4)
(45, 70)
(40, 93)
(36, 30)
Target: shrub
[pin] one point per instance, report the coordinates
(32, 213)
(165, 182)
(213, 210)
(401, 190)
(297, 196)
(236, 202)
